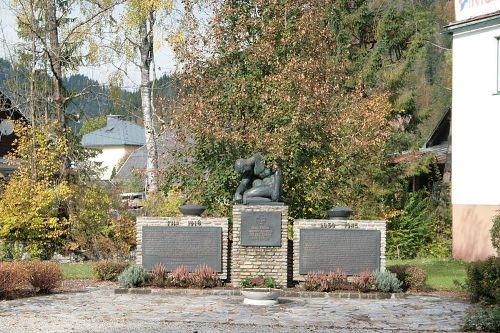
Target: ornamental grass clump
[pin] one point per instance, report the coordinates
(204, 277)
(133, 276)
(109, 270)
(316, 281)
(181, 277)
(159, 276)
(44, 276)
(12, 276)
(364, 282)
(337, 281)
(387, 282)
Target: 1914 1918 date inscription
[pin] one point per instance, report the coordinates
(260, 229)
(327, 250)
(182, 246)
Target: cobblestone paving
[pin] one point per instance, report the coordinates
(100, 310)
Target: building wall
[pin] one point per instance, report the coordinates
(476, 136)
(110, 156)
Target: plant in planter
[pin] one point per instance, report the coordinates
(259, 291)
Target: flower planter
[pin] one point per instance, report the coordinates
(192, 210)
(260, 296)
(339, 213)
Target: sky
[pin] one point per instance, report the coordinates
(164, 56)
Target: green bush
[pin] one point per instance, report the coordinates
(483, 281)
(387, 282)
(485, 319)
(44, 276)
(12, 276)
(133, 276)
(495, 233)
(108, 270)
(408, 232)
(413, 277)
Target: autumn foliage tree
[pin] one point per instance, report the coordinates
(269, 77)
(30, 204)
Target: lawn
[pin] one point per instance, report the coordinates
(78, 271)
(440, 272)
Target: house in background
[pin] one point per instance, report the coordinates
(475, 126)
(115, 141)
(8, 114)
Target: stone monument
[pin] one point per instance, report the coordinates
(260, 221)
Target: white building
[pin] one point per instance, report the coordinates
(115, 141)
(475, 126)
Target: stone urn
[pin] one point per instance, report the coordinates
(192, 209)
(260, 296)
(339, 213)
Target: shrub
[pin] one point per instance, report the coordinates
(12, 276)
(495, 233)
(133, 276)
(483, 281)
(486, 319)
(364, 282)
(316, 281)
(108, 270)
(159, 276)
(204, 277)
(181, 277)
(337, 281)
(387, 282)
(44, 276)
(413, 277)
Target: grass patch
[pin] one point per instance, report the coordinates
(78, 271)
(440, 272)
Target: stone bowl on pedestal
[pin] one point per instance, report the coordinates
(339, 213)
(260, 296)
(192, 209)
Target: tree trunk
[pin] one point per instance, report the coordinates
(55, 63)
(146, 52)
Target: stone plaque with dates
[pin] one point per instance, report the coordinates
(175, 246)
(328, 250)
(260, 229)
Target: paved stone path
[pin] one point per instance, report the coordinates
(100, 310)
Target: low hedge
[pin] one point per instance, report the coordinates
(413, 277)
(42, 276)
(483, 281)
(109, 270)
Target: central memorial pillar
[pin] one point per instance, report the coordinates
(260, 242)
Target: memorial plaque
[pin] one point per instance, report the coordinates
(260, 229)
(327, 250)
(176, 246)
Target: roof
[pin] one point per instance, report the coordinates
(166, 144)
(117, 132)
(482, 20)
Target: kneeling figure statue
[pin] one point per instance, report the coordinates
(259, 184)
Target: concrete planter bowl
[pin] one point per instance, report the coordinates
(260, 296)
(339, 213)
(192, 210)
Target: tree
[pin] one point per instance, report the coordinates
(274, 81)
(138, 26)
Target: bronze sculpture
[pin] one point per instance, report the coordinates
(259, 184)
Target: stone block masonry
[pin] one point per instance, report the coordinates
(347, 256)
(182, 223)
(251, 260)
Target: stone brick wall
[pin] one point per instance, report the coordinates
(251, 261)
(335, 224)
(186, 221)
